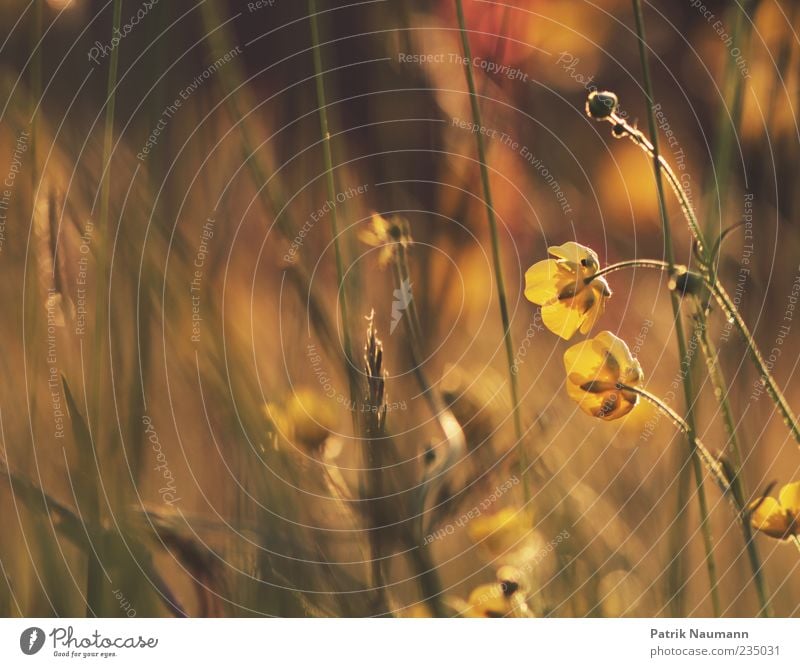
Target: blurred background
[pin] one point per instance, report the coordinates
(178, 433)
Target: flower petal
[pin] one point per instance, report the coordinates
(593, 313)
(790, 497)
(542, 281)
(575, 253)
(770, 518)
(587, 361)
(488, 601)
(562, 319)
(501, 531)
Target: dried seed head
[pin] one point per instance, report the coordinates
(376, 378)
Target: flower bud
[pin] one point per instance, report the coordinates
(686, 282)
(601, 104)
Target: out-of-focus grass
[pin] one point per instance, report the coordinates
(263, 523)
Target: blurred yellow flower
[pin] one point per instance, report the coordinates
(503, 598)
(500, 531)
(387, 235)
(778, 518)
(596, 369)
(560, 287)
(488, 601)
(305, 418)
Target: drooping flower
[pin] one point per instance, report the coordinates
(778, 517)
(561, 286)
(597, 371)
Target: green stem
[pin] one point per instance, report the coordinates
(709, 276)
(447, 420)
(428, 579)
(695, 450)
(496, 256)
(731, 108)
(731, 312)
(95, 595)
(632, 263)
(738, 484)
(331, 186)
(624, 129)
(711, 463)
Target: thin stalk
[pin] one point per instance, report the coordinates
(775, 393)
(428, 579)
(374, 450)
(331, 186)
(717, 289)
(733, 103)
(796, 541)
(713, 466)
(695, 451)
(449, 424)
(632, 263)
(738, 483)
(496, 256)
(95, 577)
(622, 128)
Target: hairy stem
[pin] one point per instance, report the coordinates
(775, 393)
(711, 463)
(632, 263)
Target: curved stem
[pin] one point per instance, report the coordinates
(623, 128)
(632, 263)
(709, 460)
(732, 314)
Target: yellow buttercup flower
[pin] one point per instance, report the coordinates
(501, 531)
(505, 597)
(778, 518)
(560, 287)
(596, 371)
(388, 235)
(305, 418)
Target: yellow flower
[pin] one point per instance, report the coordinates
(305, 418)
(779, 517)
(488, 601)
(501, 531)
(596, 369)
(503, 598)
(560, 287)
(387, 235)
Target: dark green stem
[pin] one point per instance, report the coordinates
(738, 484)
(496, 256)
(688, 389)
(331, 186)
